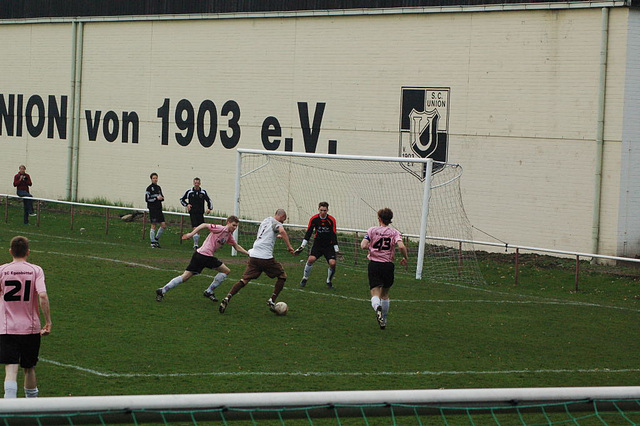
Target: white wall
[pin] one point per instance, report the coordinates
(629, 214)
(523, 106)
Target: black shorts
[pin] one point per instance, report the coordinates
(20, 349)
(200, 261)
(156, 216)
(381, 274)
(196, 219)
(319, 250)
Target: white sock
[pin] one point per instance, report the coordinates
(196, 239)
(31, 393)
(217, 281)
(307, 270)
(152, 235)
(10, 389)
(160, 231)
(330, 274)
(375, 302)
(172, 284)
(385, 307)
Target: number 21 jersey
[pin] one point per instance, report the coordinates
(20, 283)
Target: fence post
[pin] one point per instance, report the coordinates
(6, 209)
(406, 243)
(355, 250)
(577, 270)
(106, 221)
(460, 258)
(517, 264)
(38, 218)
(73, 209)
(144, 224)
(181, 228)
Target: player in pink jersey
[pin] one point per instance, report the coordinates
(204, 257)
(22, 287)
(381, 241)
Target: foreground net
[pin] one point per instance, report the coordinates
(421, 407)
(356, 188)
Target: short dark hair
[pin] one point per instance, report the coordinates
(323, 204)
(385, 215)
(196, 178)
(152, 175)
(233, 219)
(19, 246)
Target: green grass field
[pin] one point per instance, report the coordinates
(111, 337)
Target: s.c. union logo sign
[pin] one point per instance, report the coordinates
(424, 125)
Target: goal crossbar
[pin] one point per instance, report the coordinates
(334, 156)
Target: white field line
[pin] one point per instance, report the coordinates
(532, 299)
(338, 373)
(329, 373)
(67, 239)
(536, 299)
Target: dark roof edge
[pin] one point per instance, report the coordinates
(90, 10)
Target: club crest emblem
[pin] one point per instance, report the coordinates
(424, 126)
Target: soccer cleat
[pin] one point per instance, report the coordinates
(381, 322)
(271, 305)
(195, 247)
(330, 285)
(159, 295)
(211, 296)
(303, 282)
(223, 305)
(32, 214)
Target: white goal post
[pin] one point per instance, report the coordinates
(307, 405)
(356, 187)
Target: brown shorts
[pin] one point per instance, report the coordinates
(256, 266)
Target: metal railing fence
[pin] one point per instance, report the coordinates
(517, 249)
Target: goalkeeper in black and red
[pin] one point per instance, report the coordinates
(325, 243)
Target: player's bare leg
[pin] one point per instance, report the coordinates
(234, 290)
(277, 288)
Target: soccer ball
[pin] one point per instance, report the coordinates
(281, 308)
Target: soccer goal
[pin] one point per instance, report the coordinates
(427, 206)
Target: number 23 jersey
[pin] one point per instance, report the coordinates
(382, 243)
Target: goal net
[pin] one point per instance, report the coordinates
(522, 406)
(428, 209)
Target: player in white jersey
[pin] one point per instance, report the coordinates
(203, 257)
(261, 258)
(381, 241)
(22, 287)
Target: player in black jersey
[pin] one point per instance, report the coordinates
(154, 198)
(325, 243)
(194, 200)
